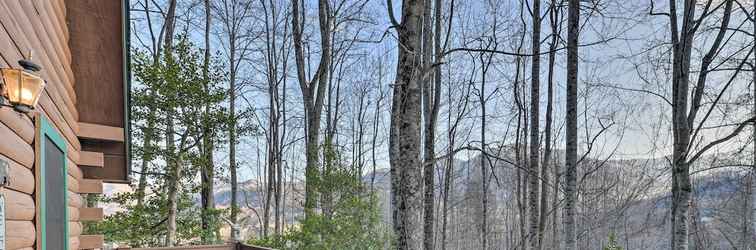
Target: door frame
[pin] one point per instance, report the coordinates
(45, 130)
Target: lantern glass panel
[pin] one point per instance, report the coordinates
(11, 78)
(31, 89)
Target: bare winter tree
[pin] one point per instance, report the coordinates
(570, 176)
(313, 91)
(555, 22)
(535, 140)
(404, 140)
(431, 105)
(753, 137)
(233, 15)
(276, 54)
(686, 125)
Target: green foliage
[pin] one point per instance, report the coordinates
(612, 245)
(354, 221)
(172, 88)
(139, 226)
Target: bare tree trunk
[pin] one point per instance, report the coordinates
(233, 14)
(555, 241)
(173, 163)
(519, 148)
(272, 142)
(681, 186)
(431, 96)
(174, 177)
(232, 137)
(534, 128)
(484, 159)
(570, 177)
(312, 95)
(752, 187)
(207, 171)
(280, 194)
(404, 149)
(554, 20)
(449, 170)
(149, 130)
(376, 123)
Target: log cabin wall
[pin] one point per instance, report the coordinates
(40, 28)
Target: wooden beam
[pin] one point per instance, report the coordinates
(100, 132)
(90, 186)
(92, 159)
(90, 214)
(91, 241)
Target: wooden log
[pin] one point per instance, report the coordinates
(19, 234)
(100, 132)
(73, 242)
(73, 184)
(90, 186)
(74, 228)
(18, 206)
(90, 214)
(75, 200)
(74, 170)
(19, 123)
(13, 147)
(92, 159)
(91, 241)
(58, 18)
(73, 213)
(20, 178)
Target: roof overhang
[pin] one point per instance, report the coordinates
(99, 44)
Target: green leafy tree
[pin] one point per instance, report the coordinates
(183, 105)
(612, 245)
(354, 221)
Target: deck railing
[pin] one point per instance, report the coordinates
(237, 246)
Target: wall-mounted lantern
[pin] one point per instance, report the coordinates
(21, 89)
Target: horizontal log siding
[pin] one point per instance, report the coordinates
(38, 26)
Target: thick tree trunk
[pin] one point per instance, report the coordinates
(573, 27)
(681, 186)
(535, 104)
(406, 166)
(312, 95)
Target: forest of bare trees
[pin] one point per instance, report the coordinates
(441, 124)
